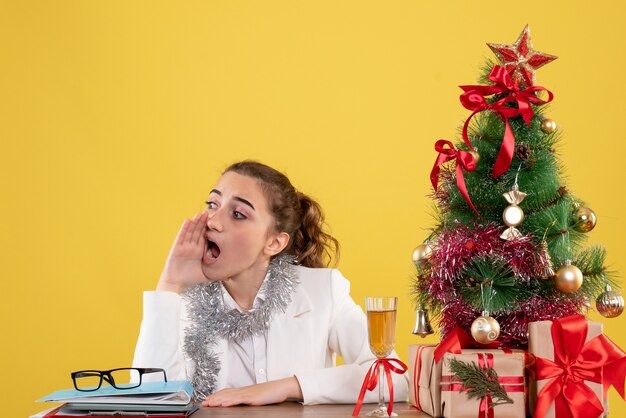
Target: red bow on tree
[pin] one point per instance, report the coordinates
(464, 161)
(474, 99)
(599, 360)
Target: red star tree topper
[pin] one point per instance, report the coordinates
(520, 59)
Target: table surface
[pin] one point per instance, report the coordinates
(293, 409)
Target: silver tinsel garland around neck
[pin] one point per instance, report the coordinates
(210, 320)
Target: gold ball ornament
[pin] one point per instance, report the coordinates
(548, 126)
(513, 215)
(568, 278)
(421, 253)
(485, 329)
(585, 220)
(610, 303)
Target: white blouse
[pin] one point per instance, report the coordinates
(247, 360)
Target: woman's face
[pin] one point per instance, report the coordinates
(240, 237)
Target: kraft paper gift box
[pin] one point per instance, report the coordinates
(540, 344)
(424, 375)
(510, 369)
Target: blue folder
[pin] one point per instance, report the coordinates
(177, 392)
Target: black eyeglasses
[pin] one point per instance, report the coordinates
(90, 380)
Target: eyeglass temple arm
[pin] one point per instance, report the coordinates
(153, 370)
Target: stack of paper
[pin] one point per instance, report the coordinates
(151, 399)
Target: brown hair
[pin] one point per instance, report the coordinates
(295, 213)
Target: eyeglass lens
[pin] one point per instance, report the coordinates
(87, 380)
(119, 378)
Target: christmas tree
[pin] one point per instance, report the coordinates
(508, 247)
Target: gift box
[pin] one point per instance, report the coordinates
(455, 402)
(571, 336)
(424, 376)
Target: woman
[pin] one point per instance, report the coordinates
(234, 314)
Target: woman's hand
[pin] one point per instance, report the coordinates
(276, 391)
(183, 267)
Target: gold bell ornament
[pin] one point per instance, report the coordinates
(610, 303)
(422, 323)
(548, 271)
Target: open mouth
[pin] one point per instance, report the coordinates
(212, 250)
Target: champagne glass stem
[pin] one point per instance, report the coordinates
(381, 387)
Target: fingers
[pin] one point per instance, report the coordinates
(199, 229)
(187, 230)
(231, 402)
(182, 232)
(232, 396)
(224, 397)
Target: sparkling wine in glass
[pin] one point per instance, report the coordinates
(381, 329)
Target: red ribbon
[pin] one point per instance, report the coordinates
(485, 409)
(417, 371)
(457, 340)
(474, 99)
(599, 360)
(464, 161)
(371, 380)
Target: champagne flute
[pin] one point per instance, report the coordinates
(381, 329)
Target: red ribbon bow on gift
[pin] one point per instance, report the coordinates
(371, 380)
(599, 360)
(474, 99)
(464, 161)
(457, 340)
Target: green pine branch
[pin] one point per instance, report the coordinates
(590, 261)
(485, 69)
(478, 382)
(500, 289)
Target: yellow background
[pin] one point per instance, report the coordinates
(116, 118)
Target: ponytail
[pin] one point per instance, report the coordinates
(312, 246)
(294, 213)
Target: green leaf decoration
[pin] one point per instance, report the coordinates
(478, 382)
